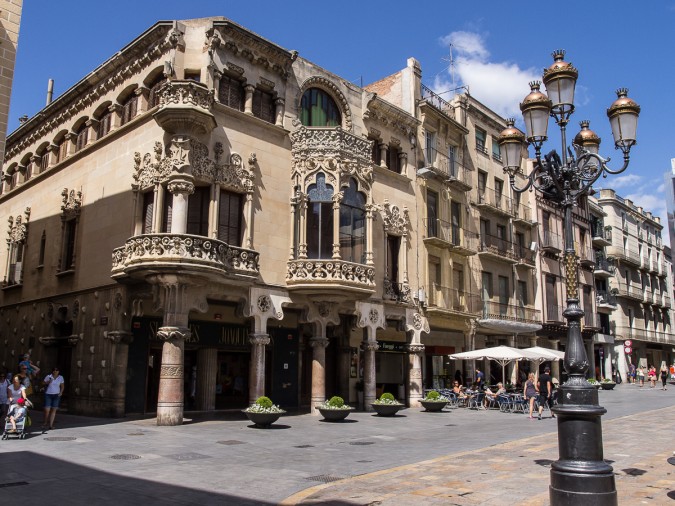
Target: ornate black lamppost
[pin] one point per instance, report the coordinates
(580, 475)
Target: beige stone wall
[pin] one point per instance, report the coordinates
(10, 20)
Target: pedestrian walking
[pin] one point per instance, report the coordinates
(664, 376)
(631, 373)
(530, 392)
(651, 374)
(53, 393)
(545, 391)
(641, 376)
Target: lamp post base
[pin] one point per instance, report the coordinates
(581, 476)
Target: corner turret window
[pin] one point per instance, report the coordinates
(318, 109)
(353, 225)
(320, 219)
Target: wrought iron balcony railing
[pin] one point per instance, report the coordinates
(501, 311)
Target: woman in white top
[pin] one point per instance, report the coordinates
(15, 391)
(53, 393)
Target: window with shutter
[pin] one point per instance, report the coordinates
(229, 217)
(129, 109)
(148, 212)
(263, 105)
(82, 137)
(153, 98)
(198, 211)
(166, 217)
(104, 124)
(231, 93)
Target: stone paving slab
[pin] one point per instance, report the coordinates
(516, 472)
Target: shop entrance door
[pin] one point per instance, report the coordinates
(285, 367)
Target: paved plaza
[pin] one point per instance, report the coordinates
(459, 456)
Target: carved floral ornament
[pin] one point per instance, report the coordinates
(18, 228)
(71, 202)
(331, 151)
(264, 303)
(151, 169)
(185, 93)
(396, 221)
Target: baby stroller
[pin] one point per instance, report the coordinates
(22, 426)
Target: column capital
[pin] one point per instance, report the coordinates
(370, 345)
(415, 349)
(181, 184)
(319, 342)
(249, 88)
(259, 339)
(168, 333)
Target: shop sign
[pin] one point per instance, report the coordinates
(392, 346)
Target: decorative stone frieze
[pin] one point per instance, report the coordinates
(156, 168)
(264, 304)
(396, 221)
(198, 252)
(416, 323)
(71, 202)
(18, 228)
(330, 271)
(186, 92)
(166, 333)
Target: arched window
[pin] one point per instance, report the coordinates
(353, 225)
(318, 109)
(129, 108)
(82, 136)
(320, 219)
(153, 98)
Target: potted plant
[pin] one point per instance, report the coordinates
(607, 384)
(387, 405)
(594, 382)
(434, 401)
(334, 409)
(263, 412)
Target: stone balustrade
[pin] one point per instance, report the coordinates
(153, 252)
(338, 273)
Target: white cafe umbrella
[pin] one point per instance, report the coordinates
(544, 355)
(501, 354)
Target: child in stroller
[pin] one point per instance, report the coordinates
(17, 419)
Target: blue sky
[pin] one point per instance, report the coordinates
(496, 50)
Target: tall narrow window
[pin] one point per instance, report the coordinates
(456, 222)
(148, 212)
(353, 225)
(393, 247)
(229, 217)
(503, 295)
(318, 109)
(496, 149)
(430, 148)
(43, 247)
(68, 251)
(551, 299)
(129, 108)
(452, 168)
(15, 272)
(231, 93)
(82, 137)
(394, 164)
(104, 124)
(480, 140)
(167, 212)
(320, 219)
(62, 150)
(263, 105)
(153, 98)
(198, 211)
(432, 214)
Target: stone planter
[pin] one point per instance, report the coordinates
(433, 406)
(387, 409)
(263, 420)
(334, 415)
(607, 386)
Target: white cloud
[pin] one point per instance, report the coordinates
(501, 85)
(629, 180)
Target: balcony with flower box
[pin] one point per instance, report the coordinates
(605, 302)
(603, 268)
(601, 235)
(444, 234)
(184, 254)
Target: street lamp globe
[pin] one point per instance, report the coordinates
(623, 115)
(536, 108)
(560, 80)
(511, 143)
(586, 141)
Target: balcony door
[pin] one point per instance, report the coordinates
(456, 220)
(486, 291)
(432, 214)
(551, 299)
(503, 295)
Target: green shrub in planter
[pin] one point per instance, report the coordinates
(336, 402)
(386, 398)
(264, 402)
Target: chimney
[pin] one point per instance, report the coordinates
(50, 91)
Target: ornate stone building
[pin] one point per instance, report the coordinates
(206, 217)
(10, 21)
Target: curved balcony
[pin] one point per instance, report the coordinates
(333, 278)
(148, 254)
(185, 108)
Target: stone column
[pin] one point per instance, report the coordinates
(621, 362)
(534, 364)
(470, 345)
(92, 126)
(384, 150)
(143, 100)
(207, 370)
(115, 118)
(318, 345)
(337, 199)
(53, 150)
(414, 390)
(120, 357)
(607, 349)
(70, 139)
(181, 186)
(369, 379)
(217, 76)
(171, 396)
(247, 240)
(403, 162)
(248, 99)
(257, 373)
(280, 108)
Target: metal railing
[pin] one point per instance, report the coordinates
(493, 198)
(524, 254)
(451, 233)
(586, 253)
(433, 99)
(602, 264)
(554, 313)
(446, 166)
(605, 298)
(599, 232)
(515, 312)
(452, 298)
(653, 336)
(549, 240)
(491, 244)
(399, 292)
(630, 291)
(522, 212)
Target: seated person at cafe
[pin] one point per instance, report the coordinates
(457, 390)
(491, 397)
